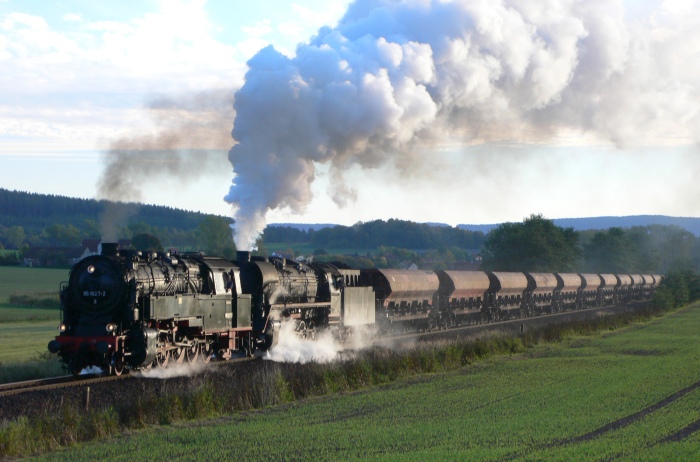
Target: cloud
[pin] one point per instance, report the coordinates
(86, 80)
(72, 17)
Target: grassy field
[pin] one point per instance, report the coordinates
(29, 280)
(630, 395)
(25, 331)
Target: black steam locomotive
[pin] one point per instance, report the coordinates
(126, 310)
(122, 309)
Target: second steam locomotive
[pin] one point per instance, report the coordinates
(126, 310)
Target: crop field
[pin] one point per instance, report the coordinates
(632, 394)
(25, 330)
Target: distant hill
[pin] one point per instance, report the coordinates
(582, 224)
(317, 226)
(35, 212)
(302, 226)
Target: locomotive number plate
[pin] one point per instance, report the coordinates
(94, 293)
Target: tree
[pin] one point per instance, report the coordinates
(63, 235)
(676, 246)
(15, 236)
(215, 236)
(536, 244)
(609, 252)
(146, 243)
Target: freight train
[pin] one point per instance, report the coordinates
(124, 309)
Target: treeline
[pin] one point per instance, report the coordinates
(537, 244)
(29, 220)
(36, 212)
(378, 233)
(392, 257)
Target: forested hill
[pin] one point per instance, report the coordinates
(47, 220)
(36, 212)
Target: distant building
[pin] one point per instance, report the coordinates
(53, 256)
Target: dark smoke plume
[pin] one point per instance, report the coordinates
(191, 135)
(396, 76)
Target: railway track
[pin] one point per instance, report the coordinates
(513, 326)
(53, 382)
(87, 379)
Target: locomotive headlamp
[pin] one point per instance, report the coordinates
(111, 327)
(62, 327)
(90, 269)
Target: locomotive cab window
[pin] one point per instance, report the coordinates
(220, 281)
(228, 282)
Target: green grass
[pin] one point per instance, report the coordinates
(15, 279)
(528, 406)
(23, 349)
(26, 331)
(22, 341)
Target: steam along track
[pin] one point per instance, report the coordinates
(125, 310)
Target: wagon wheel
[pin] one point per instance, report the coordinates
(118, 364)
(312, 330)
(178, 355)
(162, 358)
(301, 328)
(207, 352)
(192, 353)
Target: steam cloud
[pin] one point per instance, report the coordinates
(187, 143)
(293, 349)
(394, 77)
(324, 349)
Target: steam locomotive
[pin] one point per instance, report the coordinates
(126, 310)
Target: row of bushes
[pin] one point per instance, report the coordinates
(678, 289)
(35, 299)
(261, 384)
(10, 259)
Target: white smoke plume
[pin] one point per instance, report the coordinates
(394, 77)
(188, 140)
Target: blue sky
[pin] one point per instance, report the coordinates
(79, 76)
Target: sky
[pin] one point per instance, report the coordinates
(580, 109)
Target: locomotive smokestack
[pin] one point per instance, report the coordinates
(109, 249)
(243, 256)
